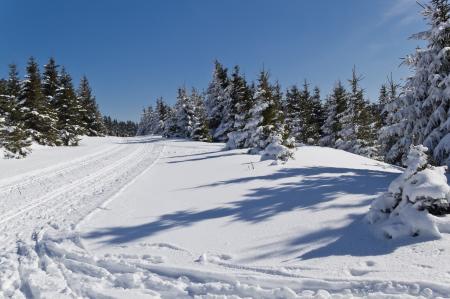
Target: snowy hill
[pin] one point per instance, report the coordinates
(154, 218)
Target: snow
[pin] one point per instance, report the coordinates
(152, 218)
(407, 208)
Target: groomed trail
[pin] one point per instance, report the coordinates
(66, 192)
(152, 218)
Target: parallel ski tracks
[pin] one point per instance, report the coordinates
(96, 179)
(7, 185)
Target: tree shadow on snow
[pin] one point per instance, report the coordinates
(314, 188)
(206, 156)
(139, 140)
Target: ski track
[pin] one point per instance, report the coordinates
(73, 191)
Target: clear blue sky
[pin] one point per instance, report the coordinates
(133, 51)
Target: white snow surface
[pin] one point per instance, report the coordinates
(153, 218)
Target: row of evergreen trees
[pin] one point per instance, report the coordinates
(114, 127)
(45, 108)
(261, 117)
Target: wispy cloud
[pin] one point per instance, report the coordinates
(403, 12)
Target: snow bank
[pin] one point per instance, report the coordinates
(414, 200)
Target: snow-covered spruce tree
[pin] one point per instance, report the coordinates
(170, 123)
(69, 111)
(200, 130)
(335, 105)
(241, 95)
(14, 138)
(145, 123)
(348, 119)
(216, 103)
(265, 126)
(38, 116)
(162, 111)
(422, 108)
(184, 114)
(293, 115)
(437, 103)
(412, 200)
(314, 118)
(50, 85)
(356, 133)
(91, 118)
(389, 117)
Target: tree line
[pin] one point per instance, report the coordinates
(47, 109)
(259, 116)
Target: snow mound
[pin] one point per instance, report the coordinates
(414, 200)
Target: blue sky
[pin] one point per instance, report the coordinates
(134, 51)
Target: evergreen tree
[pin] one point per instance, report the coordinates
(265, 126)
(184, 114)
(38, 116)
(423, 106)
(69, 111)
(293, 113)
(357, 131)
(241, 96)
(200, 130)
(335, 106)
(313, 117)
(13, 136)
(171, 123)
(216, 102)
(162, 111)
(91, 118)
(389, 114)
(50, 86)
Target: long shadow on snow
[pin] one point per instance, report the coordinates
(206, 157)
(316, 188)
(139, 140)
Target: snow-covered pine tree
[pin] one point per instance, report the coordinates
(419, 191)
(435, 60)
(91, 117)
(367, 132)
(241, 96)
(171, 123)
(335, 106)
(184, 114)
(293, 115)
(421, 110)
(389, 117)
(145, 124)
(69, 111)
(50, 86)
(14, 137)
(265, 126)
(200, 130)
(383, 101)
(216, 102)
(162, 113)
(314, 118)
(38, 116)
(356, 134)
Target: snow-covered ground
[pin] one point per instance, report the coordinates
(153, 218)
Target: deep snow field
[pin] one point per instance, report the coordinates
(154, 218)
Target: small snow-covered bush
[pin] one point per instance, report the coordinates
(414, 200)
(277, 149)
